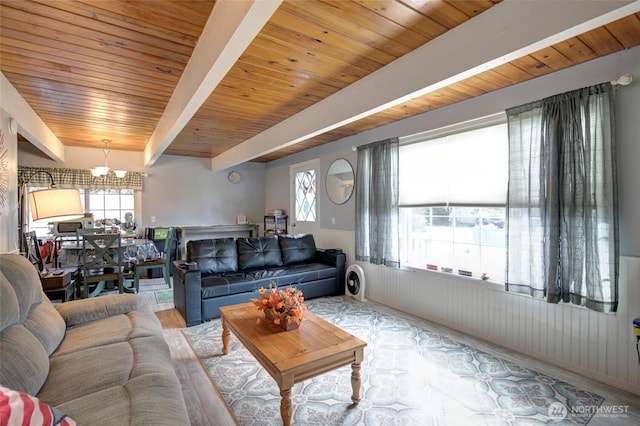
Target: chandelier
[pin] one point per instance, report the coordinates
(104, 170)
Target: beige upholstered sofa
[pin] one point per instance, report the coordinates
(101, 361)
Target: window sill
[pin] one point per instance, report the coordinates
(476, 280)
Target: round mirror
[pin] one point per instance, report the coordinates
(339, 181)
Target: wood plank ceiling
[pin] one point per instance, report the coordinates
(106, 69)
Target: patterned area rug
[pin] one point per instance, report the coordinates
(414, 373)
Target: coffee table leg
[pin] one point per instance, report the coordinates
(355, 382)
(285, 406)
(225, 337)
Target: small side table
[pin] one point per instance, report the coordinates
(58, 286)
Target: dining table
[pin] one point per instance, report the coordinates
(134, 250)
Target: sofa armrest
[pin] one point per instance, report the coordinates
(187, 292)
(337, 258)
(78, 312)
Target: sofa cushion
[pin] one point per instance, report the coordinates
(252, 280)
(21, 284)
(213, 256)
(151, 399)
(226, 284)
(25, 367)
(29, 325)
(115, 329)
(303, 273)
(9, 309)
(297, 248)
(258, 252)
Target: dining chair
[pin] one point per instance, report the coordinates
(84, 231)
(72, 257)
(32, 249)
(101, 262)
(164, 262)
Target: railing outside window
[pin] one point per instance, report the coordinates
(459, 240)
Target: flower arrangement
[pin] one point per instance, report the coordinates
(281, 306)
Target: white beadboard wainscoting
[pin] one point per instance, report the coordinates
(595, 345)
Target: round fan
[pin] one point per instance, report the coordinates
(355, 282)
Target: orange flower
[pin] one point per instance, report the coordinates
(284, 304)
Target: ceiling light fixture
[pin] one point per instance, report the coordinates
(104, 170)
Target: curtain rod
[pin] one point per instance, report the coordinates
(623, 80)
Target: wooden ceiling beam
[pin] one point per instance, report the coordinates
(30, 125)
(231, 27)
(465, 51)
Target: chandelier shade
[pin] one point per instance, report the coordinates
(104, 170)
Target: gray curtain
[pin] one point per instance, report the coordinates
(377, 212)
(562, 219)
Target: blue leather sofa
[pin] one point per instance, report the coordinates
(225, 271)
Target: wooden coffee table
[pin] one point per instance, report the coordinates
(293, 356)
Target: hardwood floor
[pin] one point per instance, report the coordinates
(205, 404)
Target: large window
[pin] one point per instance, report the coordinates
(110, 204)
(453, 186)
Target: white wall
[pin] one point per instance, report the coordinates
(9, 241)
(184, 191)
(599, 346)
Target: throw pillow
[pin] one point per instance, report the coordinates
(21, 409)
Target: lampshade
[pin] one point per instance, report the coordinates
(53, 205)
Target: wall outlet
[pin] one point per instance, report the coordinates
(153, 219)
(333, 220)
